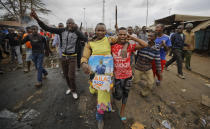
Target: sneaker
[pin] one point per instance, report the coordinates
(1, 72)
(166, 69)
(100, 124)
(20, 65)
(74, 94)
(38, 85)
(189, 69)
(45, 75)
(68, 92)
(181, 76)
(26, 71)
(157, 83)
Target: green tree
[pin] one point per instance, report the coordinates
(19, 10)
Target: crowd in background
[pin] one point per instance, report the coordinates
(23, 46)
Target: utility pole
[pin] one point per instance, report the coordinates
(169, 11)
(103, 12)
(85, 25)
(147, 12)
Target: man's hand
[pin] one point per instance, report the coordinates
(86, 68)
(163, 44)
(34, 15)
(129, 37)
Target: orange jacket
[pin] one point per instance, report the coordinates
(28, 43)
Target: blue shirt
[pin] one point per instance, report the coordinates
(100, 69)
(158, 41)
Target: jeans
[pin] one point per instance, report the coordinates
(122, 88)
(38, 62)
(99, 116)
(16, 50)
(177, 56)
(69, 69)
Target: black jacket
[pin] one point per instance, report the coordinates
(69, 39)
(38, 43)
(177, 41)
(14, 39)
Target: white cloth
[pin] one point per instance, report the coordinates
(16, 49)
(143, 36)
(131, 41)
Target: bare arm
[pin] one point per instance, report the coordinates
(84, 60)
(44, 26)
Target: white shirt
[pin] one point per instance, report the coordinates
(131, 41)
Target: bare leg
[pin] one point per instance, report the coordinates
(122, 112)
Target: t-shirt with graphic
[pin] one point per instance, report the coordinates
(158, 41)
(122, 67)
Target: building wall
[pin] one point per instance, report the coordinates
(202, 39)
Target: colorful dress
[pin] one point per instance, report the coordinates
(100, 47)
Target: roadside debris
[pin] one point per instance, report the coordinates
(205, 100)
(137, 125)
(172, 102)
(203, 122)
(7, 114)
(22, 119)
(183, 90)
(207, 84)
(166, 124)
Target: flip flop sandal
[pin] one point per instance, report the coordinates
(123, 118)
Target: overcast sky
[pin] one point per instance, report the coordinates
(130, 12)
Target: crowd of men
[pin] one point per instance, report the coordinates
(146, 60)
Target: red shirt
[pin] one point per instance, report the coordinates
(122, 67)
(42, 33)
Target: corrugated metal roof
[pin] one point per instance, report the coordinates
(203, 25)
(10, 23)
(180, 18)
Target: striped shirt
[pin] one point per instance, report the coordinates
(145, 58)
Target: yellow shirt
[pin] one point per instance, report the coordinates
(190, 40)
(100, 47)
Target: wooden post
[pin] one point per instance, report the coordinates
(116, 15)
